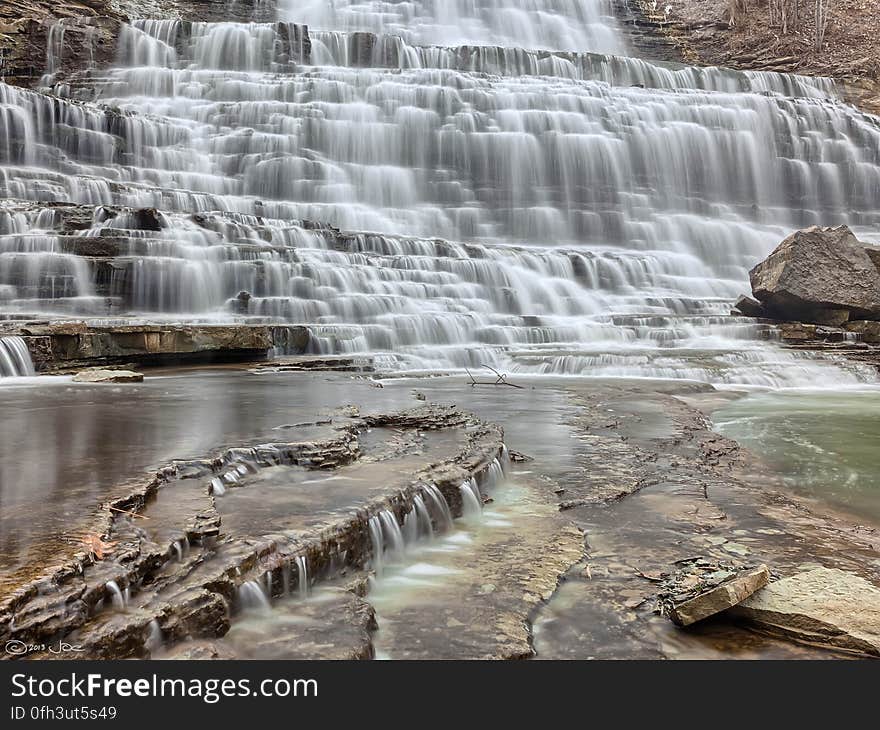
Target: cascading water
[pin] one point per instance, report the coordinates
(153, 641)
(471, 500)
(442, 513)
(549, 24)
(302, 568)
(517, 198)
(252, 597)
(117, 597)
(15, 359)
(389, 540)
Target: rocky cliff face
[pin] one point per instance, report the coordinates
(40, 36)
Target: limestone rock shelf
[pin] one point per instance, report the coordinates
(67, 345)
(203, 551)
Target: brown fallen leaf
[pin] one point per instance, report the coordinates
(97, 546)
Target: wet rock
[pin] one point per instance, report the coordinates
(201, 614)
(92, 246)
(361, 45)
(199, 650)
(821, 275)
(241, 302)
(108, 376)
(867, 331)
(797, 332)
(326, 363)
(180, 569)
(25, 33)
(147, 219)
(749, 307)
(704, 588)
(72, 344)
(874, 254)
(425, 417)
(823, 606)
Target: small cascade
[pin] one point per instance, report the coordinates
(252, 596)
(443, 515)
(15, 358)
(285, 578)
(154, 641)
(394, 543)
(425, 525)
(504, 459)
(302, 569)
(181, 549)
(377, 544)
(389, 540)
(411, 526)
(117, 597)
(386, 539)
(471, 500)
(217, 488)
(493, 475)
(335, 48)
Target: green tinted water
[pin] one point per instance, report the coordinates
(825, 444)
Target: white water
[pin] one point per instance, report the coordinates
(571, 25)
(15, 359)
(252, 597)
(117, 597)
(154, 641)
(302, 567)
(471, 500)
(533, 205)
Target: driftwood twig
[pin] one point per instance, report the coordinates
(501, 379)
(126, 512)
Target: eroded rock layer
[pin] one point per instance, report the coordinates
(170, 558)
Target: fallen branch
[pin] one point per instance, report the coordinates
(126, 512)
(500, 380)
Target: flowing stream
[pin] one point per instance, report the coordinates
(824, 444)
(507, 193)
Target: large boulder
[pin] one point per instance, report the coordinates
(823, 606)
(821, 275)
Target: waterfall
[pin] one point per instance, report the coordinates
(302, 568)
(15, 358)
(493, 475)
(154, 641)
(251, 596)
(117, 597)
(550, 24)
(423, 519)
(471, 500)
(389, 540)
(442, 514)
(438, 185)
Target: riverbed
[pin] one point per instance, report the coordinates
(609, 480)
